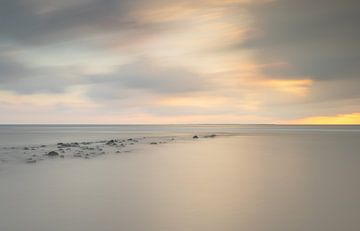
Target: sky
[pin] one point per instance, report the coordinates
(180, 61)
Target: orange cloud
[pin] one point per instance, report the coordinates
(352, 118)
(193, 101)
(297, 87)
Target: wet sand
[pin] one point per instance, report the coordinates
(257, 183)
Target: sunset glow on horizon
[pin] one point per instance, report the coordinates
(350, 119)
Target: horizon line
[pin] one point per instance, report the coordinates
(171, 124)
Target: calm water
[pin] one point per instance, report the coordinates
(47, 134)
(261, 178)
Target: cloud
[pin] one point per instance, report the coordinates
(316, 38)
(287, 59)
(50, 21)
(11, 70)
(38, 22)
(144, 76)
(19, 77)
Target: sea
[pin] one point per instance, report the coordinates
(246, 177)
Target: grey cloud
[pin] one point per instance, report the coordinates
(146, 77)
(318, 38)
(23, 22)
(38, 22)
(139, 76)
(11, 70)
(24, 79)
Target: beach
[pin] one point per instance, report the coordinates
(243, 178)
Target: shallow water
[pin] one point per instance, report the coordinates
(49, 134)
(268, 181)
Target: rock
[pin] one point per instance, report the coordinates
(53, 153)
(77, 155)
(26, 148)
(210, 136)
(195, 137)
(68, 145)
(118, 152)
(30, 161)
(111, 142)
(153, 143)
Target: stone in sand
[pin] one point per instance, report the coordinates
(53, 153)
(111, 142)
(210, 136)
(68, 145)
(195, 137)
(153, 143)
(30, 161)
